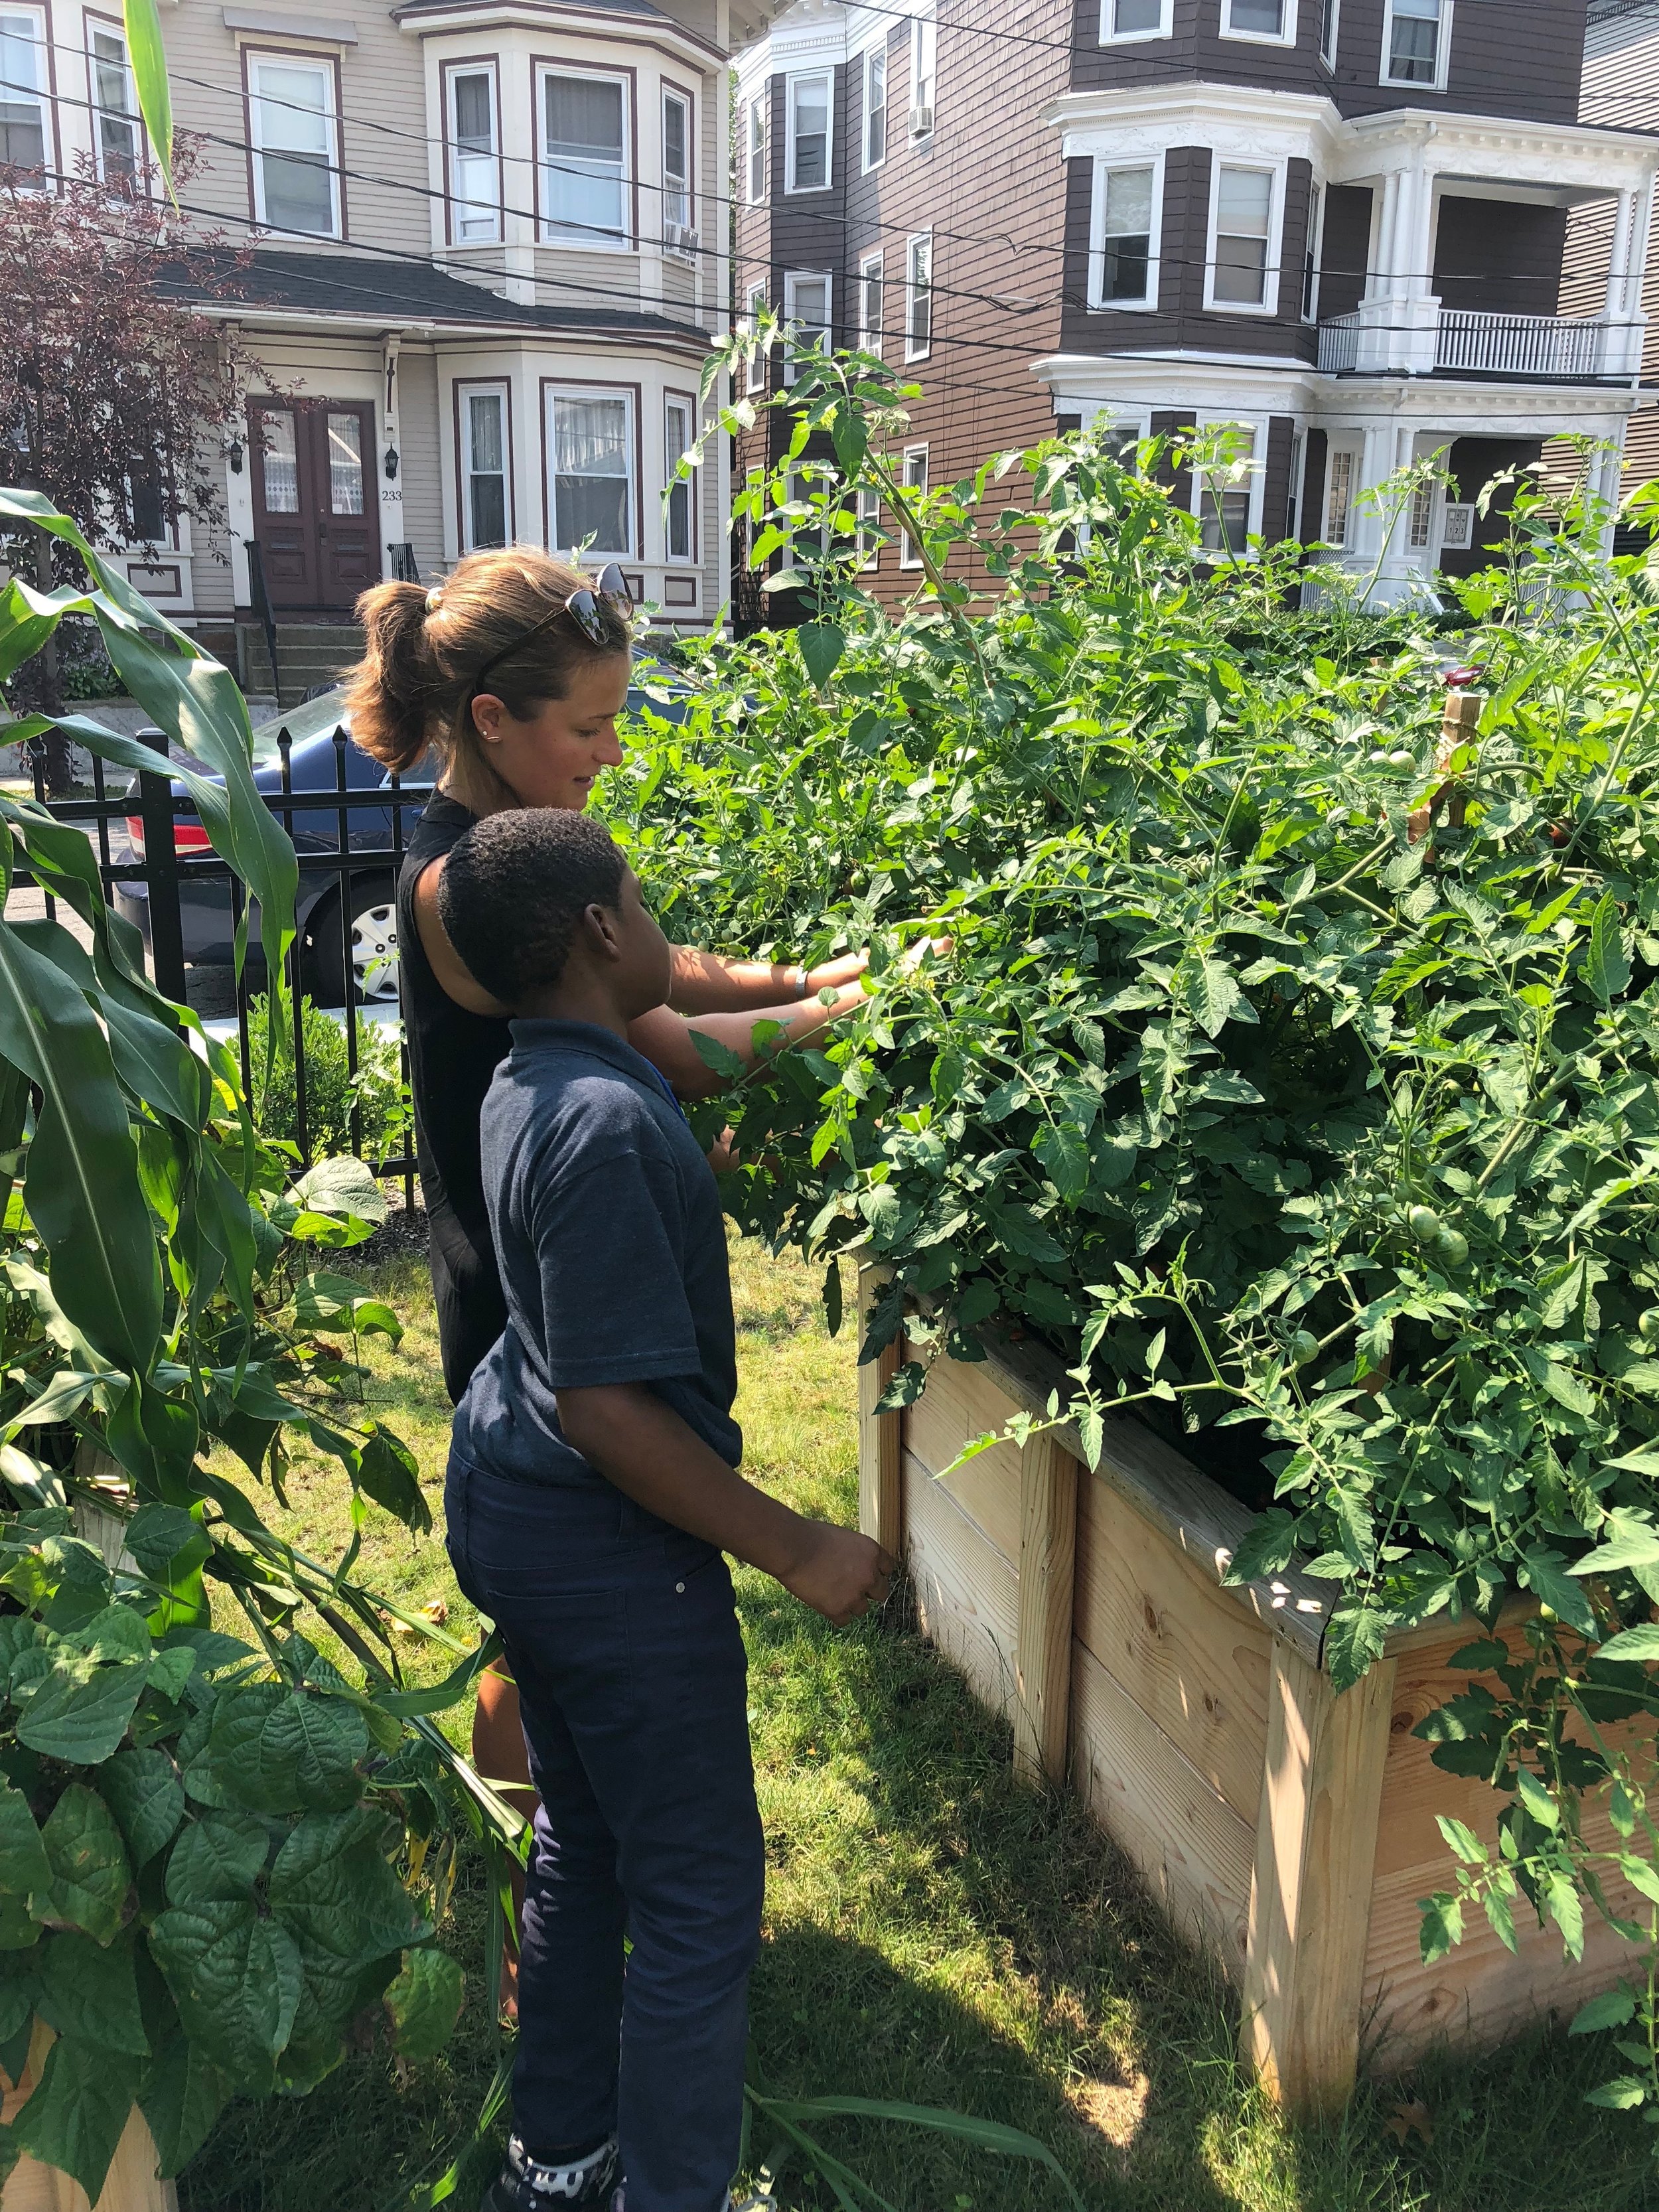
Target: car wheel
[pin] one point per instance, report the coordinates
(372, 929)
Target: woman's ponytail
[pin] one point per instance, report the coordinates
(391, 692)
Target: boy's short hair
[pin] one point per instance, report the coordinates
(514, 889)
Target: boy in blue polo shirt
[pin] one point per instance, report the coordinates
(591, 1490)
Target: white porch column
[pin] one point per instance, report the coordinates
(241, 461)
(519, 126)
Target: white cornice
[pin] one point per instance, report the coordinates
(1145, 120)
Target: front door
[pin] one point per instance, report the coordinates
(315, 513)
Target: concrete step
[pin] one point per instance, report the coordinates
(308, 655)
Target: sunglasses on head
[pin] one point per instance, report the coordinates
(583, 609)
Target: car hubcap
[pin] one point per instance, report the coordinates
(374, 952)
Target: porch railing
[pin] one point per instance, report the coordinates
(1558, 347)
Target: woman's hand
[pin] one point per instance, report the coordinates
(836, 974)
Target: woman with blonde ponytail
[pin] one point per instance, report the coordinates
(508, 676)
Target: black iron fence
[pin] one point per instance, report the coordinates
(159, 869)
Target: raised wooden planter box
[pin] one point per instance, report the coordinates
(131, 2185)
(1290, 1831)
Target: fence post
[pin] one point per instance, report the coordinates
(167, 931)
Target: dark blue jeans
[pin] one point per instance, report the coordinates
(622, 1639)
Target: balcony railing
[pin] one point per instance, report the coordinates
(1561, 348)
(1420, 338)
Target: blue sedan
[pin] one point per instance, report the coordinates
(345, 915)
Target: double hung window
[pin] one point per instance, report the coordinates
(475, 170)
(875, 104)
(806, 311)
(758, 148)
(296, 175)
(1122, 19)
(1413, 40)
(806, 149)
(1242, 219)
(1341, 473)
(1227, 489)
(924, 73)
(679, 520)
(872, 306)
(1330, 31)
(1124, 263)
(918, 296)
(483, 466)
(676, 163)
(914, 479)
(1311, 260)
(116, 142)
(584, 160)
(22, 93)
(591, 470)
(754, 307)
(1273, 22)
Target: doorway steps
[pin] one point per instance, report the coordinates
(310, 656)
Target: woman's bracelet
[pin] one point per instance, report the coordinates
(805, 989)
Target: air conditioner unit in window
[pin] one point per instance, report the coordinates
(921, 122)
(679, 239)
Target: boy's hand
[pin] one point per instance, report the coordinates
(840, 1573)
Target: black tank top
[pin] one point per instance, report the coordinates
(452, 1054)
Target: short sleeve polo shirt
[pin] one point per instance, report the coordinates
(608, 1228)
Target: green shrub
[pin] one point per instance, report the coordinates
(377, 1091)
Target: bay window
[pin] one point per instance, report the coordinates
(294, 129)
(22, 92)
(584, 160)
(675, 164)
(679, 519)
(475, 170)
(1244, 216)
(116, 144)
(485, 508)
(1413, 42)
(591, 470)
(1123, 260)
(806, 145)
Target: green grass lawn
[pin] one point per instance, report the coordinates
(934, 1933)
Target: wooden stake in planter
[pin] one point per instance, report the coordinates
(1047, 1577)
(880, 1491)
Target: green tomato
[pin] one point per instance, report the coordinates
(1402, 759)
(1451, 1246)
(1304, 1346)
(1649, 1324)
(1425, 1224)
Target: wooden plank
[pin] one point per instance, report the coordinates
(967, 1593)
(1480, 1991)
(1197, 1514)
(1047, 1575)
(1310, 1886)
(960, 1403)
(1191, 1847)
(880, 1485)
(133, 2183)
(1196, 1663)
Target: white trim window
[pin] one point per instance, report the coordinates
(918, 296)
(806, 312)
(875, 104)
(809, 110)
(677, 138)
(296, 136)
(486, 487)
(1121, 21)
(913, 477)
(680, 500)
(924, 73)
(1242, 262)
(1315, 252)
(869, 538)
(1227, 498)
(592, 470)
(474, 154)
(1330, 31)
(582, 126)
(1263, 22)
(117, 139)
(25, 139)
(873, 302)
(1341, 487)
(757, 159)
(754, 306)
(1416, 39)
(1124, 233)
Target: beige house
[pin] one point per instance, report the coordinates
(488, 250)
